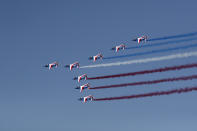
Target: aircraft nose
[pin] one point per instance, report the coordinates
(90, 58)
(75, 78)
(46, 65)
(77, 87)
(80, 99)
(66, 66)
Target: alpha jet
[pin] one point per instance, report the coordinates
(142, 38)
(119, 47)
(86, 98)
(52, 65)
(74, 65)
(98, 56)
(82, 77)
(85, 86)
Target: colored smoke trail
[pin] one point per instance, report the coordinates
(183, 78)
(146, 60)
(173, 37)
(152, 52)
(171, 68)
(182, 90)
(161, 43)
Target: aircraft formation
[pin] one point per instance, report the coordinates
(122, 47)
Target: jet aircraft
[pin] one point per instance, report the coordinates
(85, 86)
(54, 64)
(119, 47)
(74, 65)
(86, 98)
(82, 77)
(98, 56)
(142, 38)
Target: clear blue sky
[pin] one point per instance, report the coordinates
(37, 32)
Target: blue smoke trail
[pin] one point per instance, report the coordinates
(152, 52)
(173, 37)
(162, 43)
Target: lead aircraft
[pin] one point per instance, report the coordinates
(54, 64)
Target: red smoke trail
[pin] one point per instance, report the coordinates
(148, 82)
(147, 71)
(182, 90)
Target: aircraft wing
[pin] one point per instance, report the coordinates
(139, 39)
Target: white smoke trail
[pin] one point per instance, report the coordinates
(146, 60)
